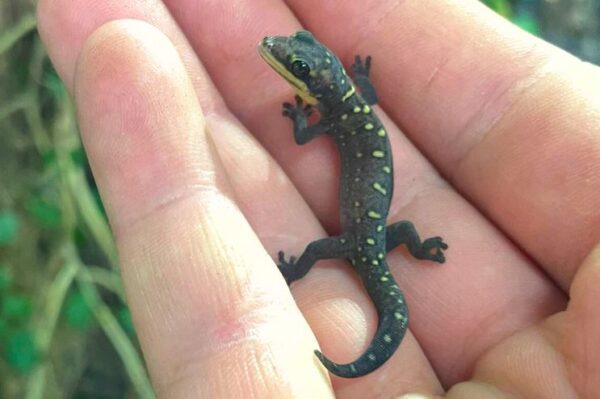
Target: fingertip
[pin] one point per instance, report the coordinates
(131, 87)
(128, 40)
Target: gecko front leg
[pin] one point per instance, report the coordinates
(360, 72)
(299, 114)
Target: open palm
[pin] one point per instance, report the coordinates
(499, 153)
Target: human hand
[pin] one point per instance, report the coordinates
(198, 207)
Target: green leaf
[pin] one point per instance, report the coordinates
(78, 156)
(45, 212)
(77, 312)
(21, 352)
(49, 158)
(16, 307)
(6, 277)
(502, 7)
(53, 82)
(9, 225)
(124, 316)
(4, 328)
(79, 237)
(528, 23)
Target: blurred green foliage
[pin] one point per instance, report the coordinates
(47, 214)
(519, 15)
(502, 7)
(77, 312)
(21, 351)
(9, 224)
(60, 289)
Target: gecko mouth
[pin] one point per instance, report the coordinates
(266, 48)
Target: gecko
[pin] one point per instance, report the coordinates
(366, 185)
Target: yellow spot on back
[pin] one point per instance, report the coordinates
(387, 169)
(380, 255)
(348, 94)
(381, 132)
(387, 338)
(372, 357)
(344, 117)
(379, 188)
(383, 279)
(379, 228)
(366, 109)
(356, 204)
(374, 215)
(359, 155)
(356, 109)
(327, 61)
(370, 241)
(369, 126)
(375, 262)
(378, 154)
(398, 316)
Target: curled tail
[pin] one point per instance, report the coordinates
(393, 322)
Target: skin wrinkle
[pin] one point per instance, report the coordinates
(536, 160)
(438, 69)
(516, 92)
(249, 326)
(379, 21)
(239, 324)
(362, 31)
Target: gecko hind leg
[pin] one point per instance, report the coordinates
(404, 232)
(326, 248)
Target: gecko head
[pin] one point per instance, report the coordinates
(314, 72)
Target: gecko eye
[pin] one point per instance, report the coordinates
(300, 69)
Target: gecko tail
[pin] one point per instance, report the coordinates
(393, 323)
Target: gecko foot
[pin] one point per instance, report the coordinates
(297, 111)
(360, 68)
(432, 249)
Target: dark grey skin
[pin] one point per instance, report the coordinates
(365, 190)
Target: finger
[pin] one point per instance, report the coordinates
(580, 345)
(443, 320)
(212, 313)
(510, 119)
(557, 358)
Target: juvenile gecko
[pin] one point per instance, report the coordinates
(366, 185)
